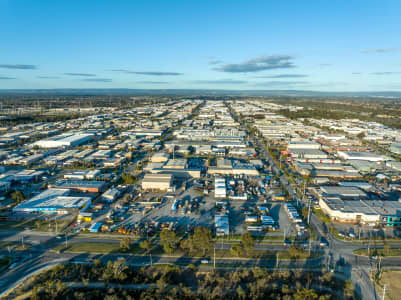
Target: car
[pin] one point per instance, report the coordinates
(12, 266)
(323, 242)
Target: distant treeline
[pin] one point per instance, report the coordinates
(387, 112)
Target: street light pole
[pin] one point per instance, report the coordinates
(309, 211)
(214, 259)
(380, 264)
(285, 233)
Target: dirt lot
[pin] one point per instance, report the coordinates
(392, 280)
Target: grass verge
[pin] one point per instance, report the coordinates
(106, 248)
(379, 252)
(89, 248)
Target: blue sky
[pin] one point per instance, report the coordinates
(258, 45)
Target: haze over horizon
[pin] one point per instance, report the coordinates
(233, 45)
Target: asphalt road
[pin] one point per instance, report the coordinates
(344, 262)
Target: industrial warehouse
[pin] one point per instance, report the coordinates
(64, 140)
(372, 213)
(54, 201)
(161, 182)
(351, 204)
(80, 185)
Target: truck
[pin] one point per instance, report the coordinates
(175, 204)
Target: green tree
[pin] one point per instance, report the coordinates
(348, 289)
(55, 288)
(145, 245)
(128, 178)
(18, 196)
(248, 242)
(236, 250)
(79, 295)
(294, 252)
(38, 224)
(115, 271)
(305, 294)
(125, 244)
(241, 294)
(168, 239)
(202, 239)
(305, 212)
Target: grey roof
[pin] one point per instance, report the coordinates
(343, 191)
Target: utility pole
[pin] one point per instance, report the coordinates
(329, 261)
(309, 211)
(214, 258)
(284, 234)
(380, 264)
(384, 292)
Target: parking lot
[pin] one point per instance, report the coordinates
(192, 208)
(189, 207)
(355, 231)
(193, 203)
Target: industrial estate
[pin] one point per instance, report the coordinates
(230, 182)
(207, 150)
